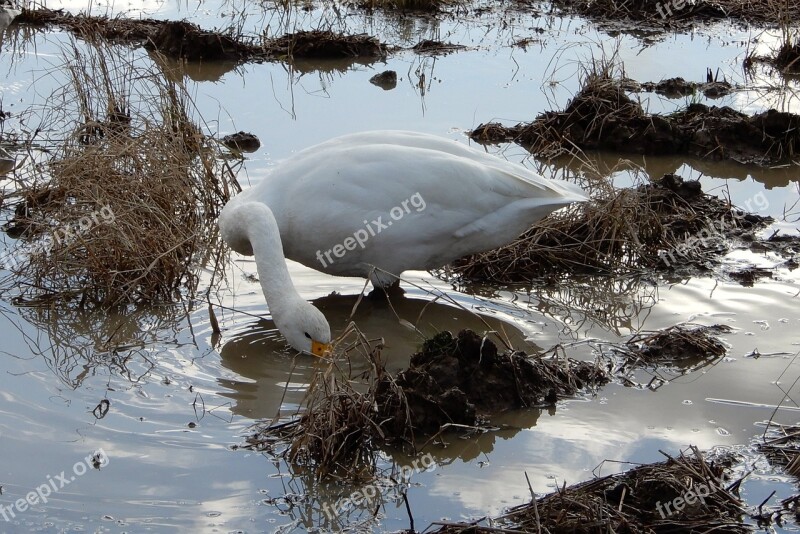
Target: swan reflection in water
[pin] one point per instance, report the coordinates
(270, 376)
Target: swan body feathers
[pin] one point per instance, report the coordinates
(389, 199)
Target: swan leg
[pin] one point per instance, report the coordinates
(382, 279)
(384, 293)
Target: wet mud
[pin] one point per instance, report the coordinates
(458, 380)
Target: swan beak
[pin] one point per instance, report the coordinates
(320, 349)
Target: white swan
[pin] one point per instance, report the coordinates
(390, 199)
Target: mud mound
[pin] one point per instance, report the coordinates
(788, 58)
(787, 246)
(453, 380)
(602, 117)
(669, 224)
(242, 142)
(181, 39)
(319, 44)
(184, 40)
(677, 345)
(683, 494)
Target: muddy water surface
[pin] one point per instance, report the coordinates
(181, 400)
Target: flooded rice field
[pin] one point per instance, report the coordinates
(136, 417)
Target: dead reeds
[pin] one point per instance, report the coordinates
(124, 209)
(338, 433)
(640, 500)
(618, 231)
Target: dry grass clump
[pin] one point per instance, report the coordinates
(126, 207)
(630, 502)
(338, 434)
(619, 231)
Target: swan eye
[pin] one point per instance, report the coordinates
(307, 335)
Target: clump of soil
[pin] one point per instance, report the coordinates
(748, 276)
(386, 80)
(668, 224)
(602, 117)
(642, 500)
(677, 345)
(181, 39)
(452, 380)
(430, 47)
(678, 87)
(787, 246)
(242, 142)
(788, 58)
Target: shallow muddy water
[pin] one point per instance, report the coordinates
(182, 400)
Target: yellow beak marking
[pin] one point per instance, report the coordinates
(320, 349)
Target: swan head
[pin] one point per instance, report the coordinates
(305, 328)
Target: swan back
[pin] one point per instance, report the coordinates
(467, 201)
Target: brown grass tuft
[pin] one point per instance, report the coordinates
(619, 231)
(125, 208)
(628, 502)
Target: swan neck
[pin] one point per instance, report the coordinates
(265, 239)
